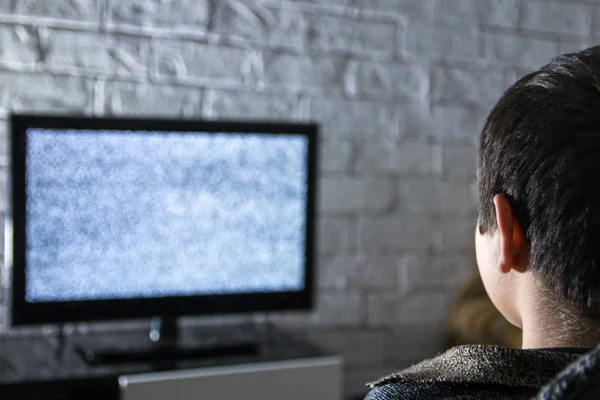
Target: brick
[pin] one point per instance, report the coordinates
(332, 270)
(440, 271)
(417, 308)
(567, 46)
(338, 309)
(414, 122)
(264, 24)
(458, 233)
(518, 51)
(394, 157)
(357, 271)
(352, 195)
(475, 191)
(557, 17)
(336, 234)
(348, 119)
(4, 147)
(175, 14)
(335, 155)
(303, 72)
(332, 309)
(96, 52)
(464, 123)
(412, 344)
(380, 234)
(18, 45)
(373, 271)
(235, 104)
(332, 3)
(435, 197)
(459, 161)
(205, 63)
(423, 9)
(435, 40)
(460, 85)
(514, 74)
(420, 9)
(491, 12)
(357, 348)
(335, 34)
(77, 10)
(384, 79)
(44, 93)
(151, 100)
(287, 27)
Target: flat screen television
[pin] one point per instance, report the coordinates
(130, 218)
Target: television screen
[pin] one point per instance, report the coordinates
(113, 214)
(126, 218)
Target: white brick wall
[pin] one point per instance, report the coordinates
(190, 13)
(565, 17)
(458, 85)
(489, 12)
(400, 88)
(356, 195)
(143, 99)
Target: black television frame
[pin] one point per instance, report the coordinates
(25, 313)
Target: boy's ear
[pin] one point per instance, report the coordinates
(513, 249)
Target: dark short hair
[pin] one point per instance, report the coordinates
(540, 147)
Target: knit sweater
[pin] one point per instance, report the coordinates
(476, 372)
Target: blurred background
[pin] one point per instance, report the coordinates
(400, 87)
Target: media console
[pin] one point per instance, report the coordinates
(39, 367)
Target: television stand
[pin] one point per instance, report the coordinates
(159, 355)
(164, 346)
(287, 366)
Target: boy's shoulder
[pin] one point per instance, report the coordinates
(430, 390)
(475, 372)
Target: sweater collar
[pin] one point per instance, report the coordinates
(488, 365)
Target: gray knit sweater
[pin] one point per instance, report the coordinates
(476, 372)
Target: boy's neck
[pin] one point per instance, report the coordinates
(547, 324)
(536, 339)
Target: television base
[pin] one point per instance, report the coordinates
(164, 345)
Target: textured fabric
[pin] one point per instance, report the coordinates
(579, 381)
(476, 372)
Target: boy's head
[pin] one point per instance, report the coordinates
(539, 187)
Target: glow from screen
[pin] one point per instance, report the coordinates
(129, 214)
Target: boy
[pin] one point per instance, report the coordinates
(537, 240)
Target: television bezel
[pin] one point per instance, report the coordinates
(30, 313)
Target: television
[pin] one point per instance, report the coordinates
(113, 218)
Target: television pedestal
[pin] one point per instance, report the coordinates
(164, 330)
(165, 346)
